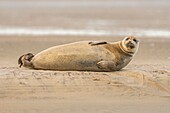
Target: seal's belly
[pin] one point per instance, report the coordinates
(75, 56)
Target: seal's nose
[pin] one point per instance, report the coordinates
(130, 42)
(131, 45)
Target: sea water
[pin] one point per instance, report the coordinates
(142, 25)
(84, 32)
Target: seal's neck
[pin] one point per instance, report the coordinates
(124, 51)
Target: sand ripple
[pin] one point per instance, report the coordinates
(25, 83)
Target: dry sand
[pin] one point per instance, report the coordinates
(143, 86)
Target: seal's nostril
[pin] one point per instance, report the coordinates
(130, 42)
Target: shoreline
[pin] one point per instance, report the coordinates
(47, 31)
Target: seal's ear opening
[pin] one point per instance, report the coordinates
(20, 61)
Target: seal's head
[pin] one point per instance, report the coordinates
(130, 45)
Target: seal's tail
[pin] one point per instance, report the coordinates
(25, 59)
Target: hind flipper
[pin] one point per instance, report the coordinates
(25, 60)
(20, 61)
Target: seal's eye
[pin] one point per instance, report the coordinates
(135, 40)
(127, 39)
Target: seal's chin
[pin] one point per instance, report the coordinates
(130, 45)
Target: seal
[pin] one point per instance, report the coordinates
(84, 56)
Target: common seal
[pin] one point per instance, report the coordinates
(84, 56)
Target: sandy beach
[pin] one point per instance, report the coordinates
(141, 87)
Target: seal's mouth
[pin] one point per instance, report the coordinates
(130, 45)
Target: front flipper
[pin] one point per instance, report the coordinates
(97, 43)
(107, 66)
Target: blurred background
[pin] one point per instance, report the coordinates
(85, 17)
(34, 25)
